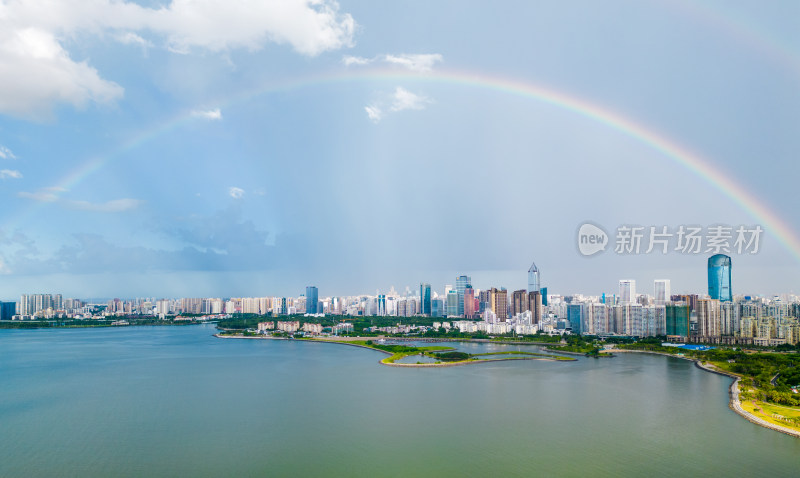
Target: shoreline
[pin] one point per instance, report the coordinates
(733, 392)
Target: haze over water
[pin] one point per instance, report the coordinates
(167, 401)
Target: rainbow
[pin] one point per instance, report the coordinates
(670, 149)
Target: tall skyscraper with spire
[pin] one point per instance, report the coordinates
(533, 278)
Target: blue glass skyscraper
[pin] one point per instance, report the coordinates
(719, 277)
(425, 299)
(462, 282)
(575, 317)
(312, 298)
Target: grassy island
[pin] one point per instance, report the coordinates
(576, 344)
(443, 355)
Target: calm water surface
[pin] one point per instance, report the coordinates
(175, 401)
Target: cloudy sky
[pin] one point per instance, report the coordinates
(238, 148)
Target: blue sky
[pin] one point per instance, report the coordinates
(218, 148)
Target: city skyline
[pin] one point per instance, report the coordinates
(343, 146)
(718, 270)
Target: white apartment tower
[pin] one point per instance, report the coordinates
(662, 291)
(627, 291)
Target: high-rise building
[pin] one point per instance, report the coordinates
(452, 303)
(575, 313)
(627, 291)
(484, 298)
(708, 317)
(632, 320)
(7, 310)
(425, 299)
(543, 292)
(533, 278)
(498, 302)
(469, 302)
(381, 305)
(662, 291)
(535, 306)
(312, 297)
(677, 319)
(519, 302)
(598, 318)
(719, 277)
(462, 282)
(436, 308)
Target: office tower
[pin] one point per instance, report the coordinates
(425, 299)
(381, 305)
(519, 302)
(452, 303)
(543, 291)
(535, 306)
(575, 313)
(662, 291)
(627, 291)
(312, 297)
(719, 277)
(436, 308)
(462, 282)
(533, 278)
(498, 302)
(469, 302)
(484, 299)
(7, 310)
(677, 320)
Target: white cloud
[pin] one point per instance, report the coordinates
(10, 173)
(422, 62)
(374, 113)
(419, 62)
(400, 100)
(355, 60)
(406, 100)
(41, 196)
(235, 193)
(52, 195)
(214, 114)
(310, 26)
(130, 38)
(37, 73)
(6, 153)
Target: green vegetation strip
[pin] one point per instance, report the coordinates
(534, 354)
